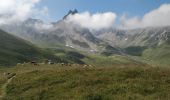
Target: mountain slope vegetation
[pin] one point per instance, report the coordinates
(56, 82)
(14, 50)
(158, 55)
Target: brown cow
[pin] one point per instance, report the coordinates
(34, 63)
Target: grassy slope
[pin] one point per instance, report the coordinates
(69, 54)
(107, 61)
(74, 56)
(158, 56)
(114, 77)
(92, 83)
(2, 82)
(14, 50)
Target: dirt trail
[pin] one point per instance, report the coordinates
(3, 88)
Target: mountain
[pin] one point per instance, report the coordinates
(151, 43)
(152, 36)
(14, 50)
(61, 34)
(75, 11)
(58, 34)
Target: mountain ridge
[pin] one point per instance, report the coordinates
(107, 42)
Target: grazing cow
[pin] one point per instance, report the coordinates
(19, 64)
(51, 63)
(91, 66)
(75, 65)
(34, 63)
(46, 62)
(68, 64)
(62, 64)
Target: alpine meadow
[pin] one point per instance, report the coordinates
(84, 50)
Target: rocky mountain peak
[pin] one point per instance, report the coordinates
(71, 12)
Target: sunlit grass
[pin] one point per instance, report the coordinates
(55, 82)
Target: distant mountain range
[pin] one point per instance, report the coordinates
(59, 33)
(137, 42)
(153, 36)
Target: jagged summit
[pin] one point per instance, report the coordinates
(71, 12)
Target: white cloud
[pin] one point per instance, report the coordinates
(157, 17)
(17, 10)
(43, 26)
(93, 21)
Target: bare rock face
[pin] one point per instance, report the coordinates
(71, 12)
(137, 37)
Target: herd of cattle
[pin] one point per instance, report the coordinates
(34, 63)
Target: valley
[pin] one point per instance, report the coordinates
(99, 52)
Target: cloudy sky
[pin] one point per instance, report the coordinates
(96, 14)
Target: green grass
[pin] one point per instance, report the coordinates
(155, 56)
(134, 50)
(107, 61)
(55, 82)
(112, 77)
(69, 55)
(3, 79)
(158, 56)
(14, 50)
(73, 56)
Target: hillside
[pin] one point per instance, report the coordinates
(14, 50)
(151, 44)
(158, 55)
(56, 82)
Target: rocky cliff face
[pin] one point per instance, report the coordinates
(71, 12)
(138, 37)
